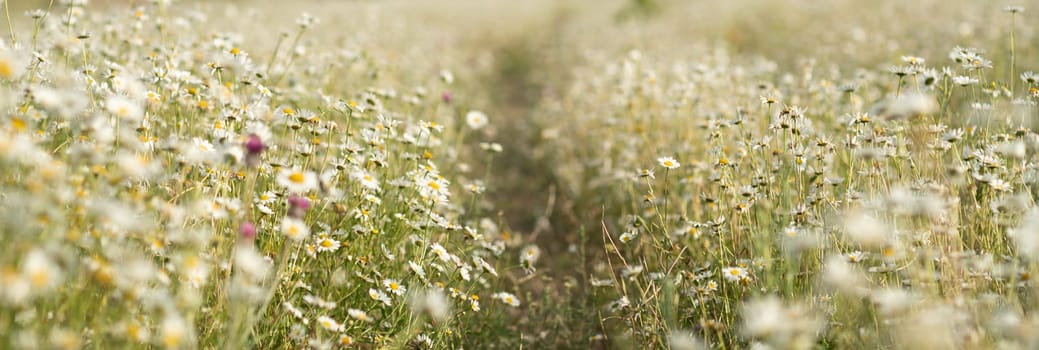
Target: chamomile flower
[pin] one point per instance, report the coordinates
(417, 269)
(12, 64)
(295, 229)
(668, 163)
(962, 80)
(330, 324)
(359, 315)
(628, 236)
(367, 180)
(40, 270)
(393, 286)
(529, 256)
(645, 174)
(297, 181)
(476, 119)
(432, 302)
(174, 332)
(379, 296)
(507, 298)
(855, 257)
(618, 304)
(735, 274)
(124, 108)
(440, 252)
(346, 340)
(327, 244)
(632, 271)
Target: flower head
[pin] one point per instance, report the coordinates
(476, 119)
(736, 274)
(247, 231)
(298, 206)
(668, 163)
(297, 181)
(254, 148)
(507, 298)
(330, 324)
(295, 229)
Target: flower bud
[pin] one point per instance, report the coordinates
(298, 206)
(254, 147)
(247, 231)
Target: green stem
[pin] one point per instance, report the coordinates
(10, 25)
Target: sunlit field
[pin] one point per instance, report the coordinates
(542, 174)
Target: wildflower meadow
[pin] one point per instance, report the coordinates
(542, 174)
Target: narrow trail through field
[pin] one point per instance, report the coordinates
(528, 66)
(531, 69)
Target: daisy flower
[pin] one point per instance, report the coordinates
(628, 236)
(379, 295)
(735, 274)
(367, 180)
(476, 119)
(330, 324)
(41, 271)
(530, 254)
(417, 269)
(856, 256)
(432, 302)
(124, 108)
(295, 229)
(267, 197)
(174, 332)
(668, 163)
(265, 209)
(394, 287)
(11, 65)
(507, 298)
(440, 252)
(327, 244)
(359, 315)
(645, 174)
(297, 181)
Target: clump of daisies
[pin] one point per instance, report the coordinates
(168, 184)
(797, 204)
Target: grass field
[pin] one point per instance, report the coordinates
(543, 174)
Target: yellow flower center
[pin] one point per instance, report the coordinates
(19, 124)
(39, 278)
(6, 71)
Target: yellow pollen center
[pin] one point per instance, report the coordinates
(6, 71)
